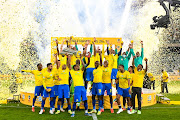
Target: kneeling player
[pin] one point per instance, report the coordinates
(123, 78)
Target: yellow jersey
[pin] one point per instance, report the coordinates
(131, 77)
(63, 60)
(48, 78)
(97, 73)
(92, 62)
(106, 74)
(38, 75)
(138, 78)
(77, 77)
(115, 58)
(123, 79)
(109, 58)
(97, 57)
(64, 75)
(151, 77)
(165, 76)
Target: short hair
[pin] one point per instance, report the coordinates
(49, 64)
(59, 60)
(74, 66)
(141, 65)
(122, 65)
(38, 64)
(132, 68)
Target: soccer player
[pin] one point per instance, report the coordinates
(165, 80)
(138, 60)
(152, 79)
(38, 74)
(79, 89)
(97, 85)
(48, 77)
(137, 85)
(123, 78)
(107, 82)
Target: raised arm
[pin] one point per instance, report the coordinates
(94, 46)
(56, 61)
(57, 47)
(108, 47)
(119, 53)
(83, 68)
(146, 65)
(69, 62)
(100, 59)
(62, 45)
(142, 50)
(116, 50)
(76, 46)
(133, 61)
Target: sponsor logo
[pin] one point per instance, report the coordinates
(29, 98)
(149, 98)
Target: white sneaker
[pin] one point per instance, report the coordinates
(129, 112)
(51, 112)
(41, 111)
(120, 110)
(53, 109)
(62, 110)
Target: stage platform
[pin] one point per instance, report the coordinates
(148, 98)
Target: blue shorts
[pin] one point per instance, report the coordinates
(124, 92)
(97, 89)
(39, 90)
(114, 73)
(56, 90)
(80, 91)
(47, 94)
(89, 74)
(63, 90)
(108, 88)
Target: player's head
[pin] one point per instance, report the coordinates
(64, 67)
(39, 66)
(162, 70)
(76, 67)
(49, 66)
(105, 63)
(74, 48)
(130, 69)
(137, 54)
(124, 54)
(121, 68)
(78, 61)
(96, 64)
(112, 51)
(139, 67)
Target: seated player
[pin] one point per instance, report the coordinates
(38, 74)
(48, 77)
(123, 78)
(137, 85)
(79, 89)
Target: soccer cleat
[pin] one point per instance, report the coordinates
(138, 112)
(123, 109)
(129, 112)
(69, 111)
(87, 114)
(120, 110)
(62, 110)
(51, 112)
(33, 109)
(102, 109)
(58, 111)
(72, 115)
(133, 111)
(99, 112)
(93, 111)
(130, 109)
(41, 111)
(112, 111)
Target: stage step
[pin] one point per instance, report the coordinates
(165, 99)
(159, 97)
